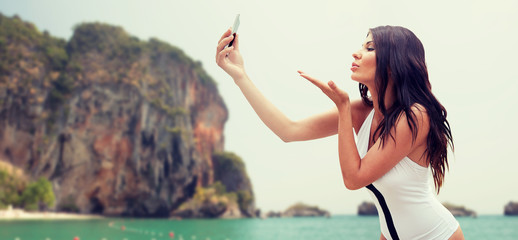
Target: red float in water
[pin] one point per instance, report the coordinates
(123, 228)
(171, 234)
(76, 238)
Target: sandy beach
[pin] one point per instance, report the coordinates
(20, 214)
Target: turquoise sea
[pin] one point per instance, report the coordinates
(336, 227)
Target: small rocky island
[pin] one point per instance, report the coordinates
(367, 209)
(300, 210)
(460, 211)
(511, 209)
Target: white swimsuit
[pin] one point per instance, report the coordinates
(405, 199)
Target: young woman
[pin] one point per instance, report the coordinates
(402, 131)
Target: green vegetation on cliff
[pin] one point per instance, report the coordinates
(43, 59)
(32, 196)
(230, 170)
(208, 202)
(159, 49)
(110, 41)
(10, 189)
(15, 33)
(116, 44)
(231, 187)
(38, 195)
(229, 162)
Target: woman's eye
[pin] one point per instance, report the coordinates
(370, 49)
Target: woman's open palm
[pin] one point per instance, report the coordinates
(337, 95)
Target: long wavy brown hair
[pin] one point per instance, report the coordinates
(400, 56)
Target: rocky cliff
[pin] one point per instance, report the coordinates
(119, 125)
(230, 196)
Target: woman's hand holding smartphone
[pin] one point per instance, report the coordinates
(234, 30)
(227, 54)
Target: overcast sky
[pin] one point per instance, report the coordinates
(472, 61)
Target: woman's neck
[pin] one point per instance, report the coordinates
(389, 100)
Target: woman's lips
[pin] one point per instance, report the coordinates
(354, 67)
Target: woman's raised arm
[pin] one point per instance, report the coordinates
(317, 126)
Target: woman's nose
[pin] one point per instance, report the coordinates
(357, 55)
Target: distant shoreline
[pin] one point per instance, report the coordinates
(20, 214)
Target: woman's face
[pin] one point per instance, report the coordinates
(364, 65)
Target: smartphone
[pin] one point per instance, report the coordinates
(234, 30)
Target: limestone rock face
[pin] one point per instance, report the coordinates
(120, 126)
(511, 209)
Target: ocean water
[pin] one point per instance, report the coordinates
(336, 227)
